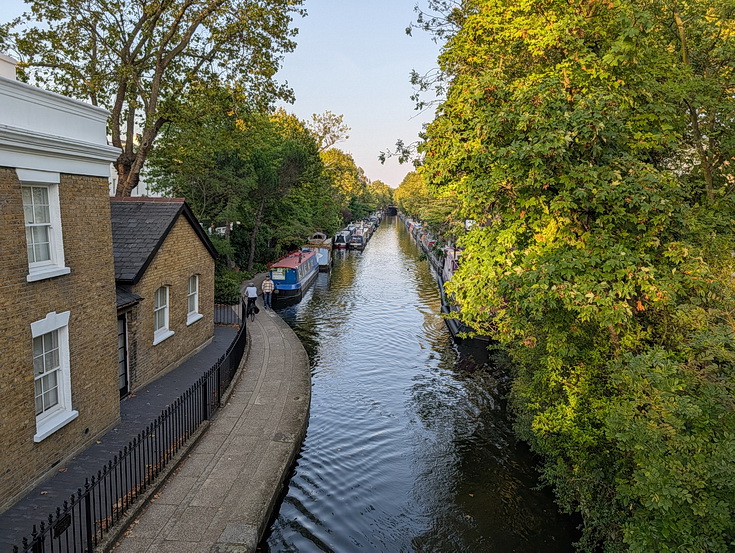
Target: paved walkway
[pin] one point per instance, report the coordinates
(220, 499)
(136, 411)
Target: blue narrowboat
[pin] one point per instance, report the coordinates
(293, 274)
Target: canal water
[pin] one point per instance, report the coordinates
(409, 447)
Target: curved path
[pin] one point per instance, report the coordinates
(221, 497)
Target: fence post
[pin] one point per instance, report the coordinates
(88, 516)
(205, 414)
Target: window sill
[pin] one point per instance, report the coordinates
(158, 338)
(193, 317)
(53, 423)
(43, 274)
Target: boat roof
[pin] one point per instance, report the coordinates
(291, 261)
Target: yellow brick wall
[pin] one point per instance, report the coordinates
(181, 255)
(88, 292)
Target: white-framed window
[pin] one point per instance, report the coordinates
(42, 216)
(192, 300)
(52, 374)
(161, 330)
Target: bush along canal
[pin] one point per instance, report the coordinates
(409, 447)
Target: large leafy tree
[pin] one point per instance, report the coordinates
(348, 182)
(136, 57)
(381, 193)
(236, 164)
(593, 142)
(328, 129)
(197, 153)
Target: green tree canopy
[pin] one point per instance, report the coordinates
(593, 143)
(138, 58)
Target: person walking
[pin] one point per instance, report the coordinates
(251, 293)
(267, 288)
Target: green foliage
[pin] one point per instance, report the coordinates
(259, 173)
(137, 59)
(227, 286)
(592, 143)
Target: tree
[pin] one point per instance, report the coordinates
(262, 170)
(137, 58)
(197, 153)
(412, 195)
(328, 129)
(348, 181)
(574, 134)
(381, 194)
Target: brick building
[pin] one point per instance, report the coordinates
(58, 389)
(164, 269)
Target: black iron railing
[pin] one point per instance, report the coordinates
(225, 314)
(82, 522)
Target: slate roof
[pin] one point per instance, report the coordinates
(139, 227)
(125, 296)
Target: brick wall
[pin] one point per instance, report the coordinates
(88, 292)
(181, 255)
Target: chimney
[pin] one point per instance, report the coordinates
(7, 66)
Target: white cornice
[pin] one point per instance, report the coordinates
(48, 99)
(21, 148)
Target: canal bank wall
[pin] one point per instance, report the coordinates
(221, 497)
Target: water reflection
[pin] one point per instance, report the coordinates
(406, 450)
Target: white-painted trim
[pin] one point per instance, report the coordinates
(52, 321)
(43, 177)
(161, 336)
(53, 423)
(55, 266)
(29, 150)
(47, 99)
(191, 318)
(48, 423)
(35, 276)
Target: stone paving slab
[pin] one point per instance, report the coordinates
(221, 497)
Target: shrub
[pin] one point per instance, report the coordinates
(227, 286)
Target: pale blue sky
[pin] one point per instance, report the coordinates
(353, 58)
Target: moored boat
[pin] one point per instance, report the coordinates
(293, 274)
(322, 245)
(357, 241)
(342, 238)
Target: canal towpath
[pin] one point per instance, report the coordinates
(221, 497)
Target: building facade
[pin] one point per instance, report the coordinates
(164, 269)
(58, 390)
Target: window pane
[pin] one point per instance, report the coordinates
(41, 214)
(159, 320)
(193, 284)
(27, 211)
(51, 398)
(51, 360)
(50, 381)
(38, 244)
(192, 304)
(38, 346)
(38, 365)
(41, 252)
(51, 340)
(39, 399)
(40, 196)
(160, 297)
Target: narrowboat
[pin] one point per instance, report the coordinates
(293, 274)
(323, 248)
(357, 241)
(342, 238)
